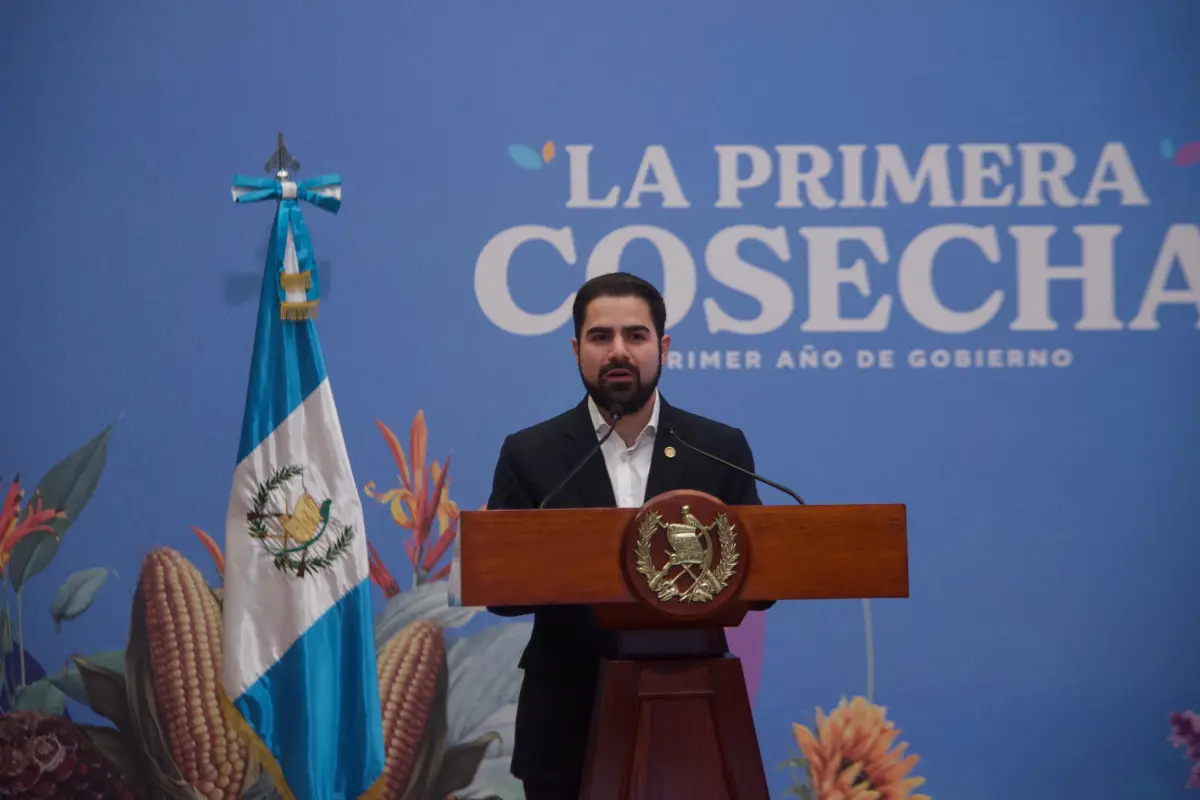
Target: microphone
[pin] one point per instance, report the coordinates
(743, 470)
(617, 411)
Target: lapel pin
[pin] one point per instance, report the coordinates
(669, 452)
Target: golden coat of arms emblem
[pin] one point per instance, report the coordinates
(301, 539)
(688, 573)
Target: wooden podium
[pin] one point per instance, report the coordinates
(672, 716)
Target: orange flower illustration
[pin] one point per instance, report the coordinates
(851, 756)
(214, 550)
(12, 528)
(422, 498)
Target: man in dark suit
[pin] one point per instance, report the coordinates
(620, 348)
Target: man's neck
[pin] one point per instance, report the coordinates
(629, 426)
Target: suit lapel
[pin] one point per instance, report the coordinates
(666, 473)
(591, 487)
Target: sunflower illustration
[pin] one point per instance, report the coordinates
(854, 755)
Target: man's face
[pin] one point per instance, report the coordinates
(618, 352)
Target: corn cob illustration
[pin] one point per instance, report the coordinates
(181, 623)
(412, 687)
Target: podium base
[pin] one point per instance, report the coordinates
(669, 723)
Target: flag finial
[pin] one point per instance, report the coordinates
(281, 160)
(291, 257)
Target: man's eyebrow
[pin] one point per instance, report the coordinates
(638, 327)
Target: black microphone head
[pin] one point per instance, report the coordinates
(617, 410)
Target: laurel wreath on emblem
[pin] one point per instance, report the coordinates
(704, 586)
(304, 556)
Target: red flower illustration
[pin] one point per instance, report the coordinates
(13, 528)
(421, 499)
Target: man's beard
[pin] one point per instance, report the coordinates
(631, 399)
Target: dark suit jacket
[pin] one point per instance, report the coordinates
(562, 659)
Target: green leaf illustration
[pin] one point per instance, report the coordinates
(105, 692)
(6, 634)
(68, 485)
(429, 601)
(484, 676)
(116, 748)
(30, 556)
(460, 763)
(71, 680)
(76, 594)
(42, 696)
(6, 646)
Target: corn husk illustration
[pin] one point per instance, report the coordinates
(412, 684)
(424, 756)
(173, 676)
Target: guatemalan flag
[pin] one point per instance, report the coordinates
(299, 649)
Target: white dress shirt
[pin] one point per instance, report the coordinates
(628, 467)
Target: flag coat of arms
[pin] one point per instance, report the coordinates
(299, 668)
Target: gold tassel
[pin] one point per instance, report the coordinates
(376, 790)
(298, 312)
(296, 281)
(259, 750)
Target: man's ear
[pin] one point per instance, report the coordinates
(575, 349)
(664, 346)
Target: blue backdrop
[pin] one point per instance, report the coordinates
(931, 253)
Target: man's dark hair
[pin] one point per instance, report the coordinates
(620, 284)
